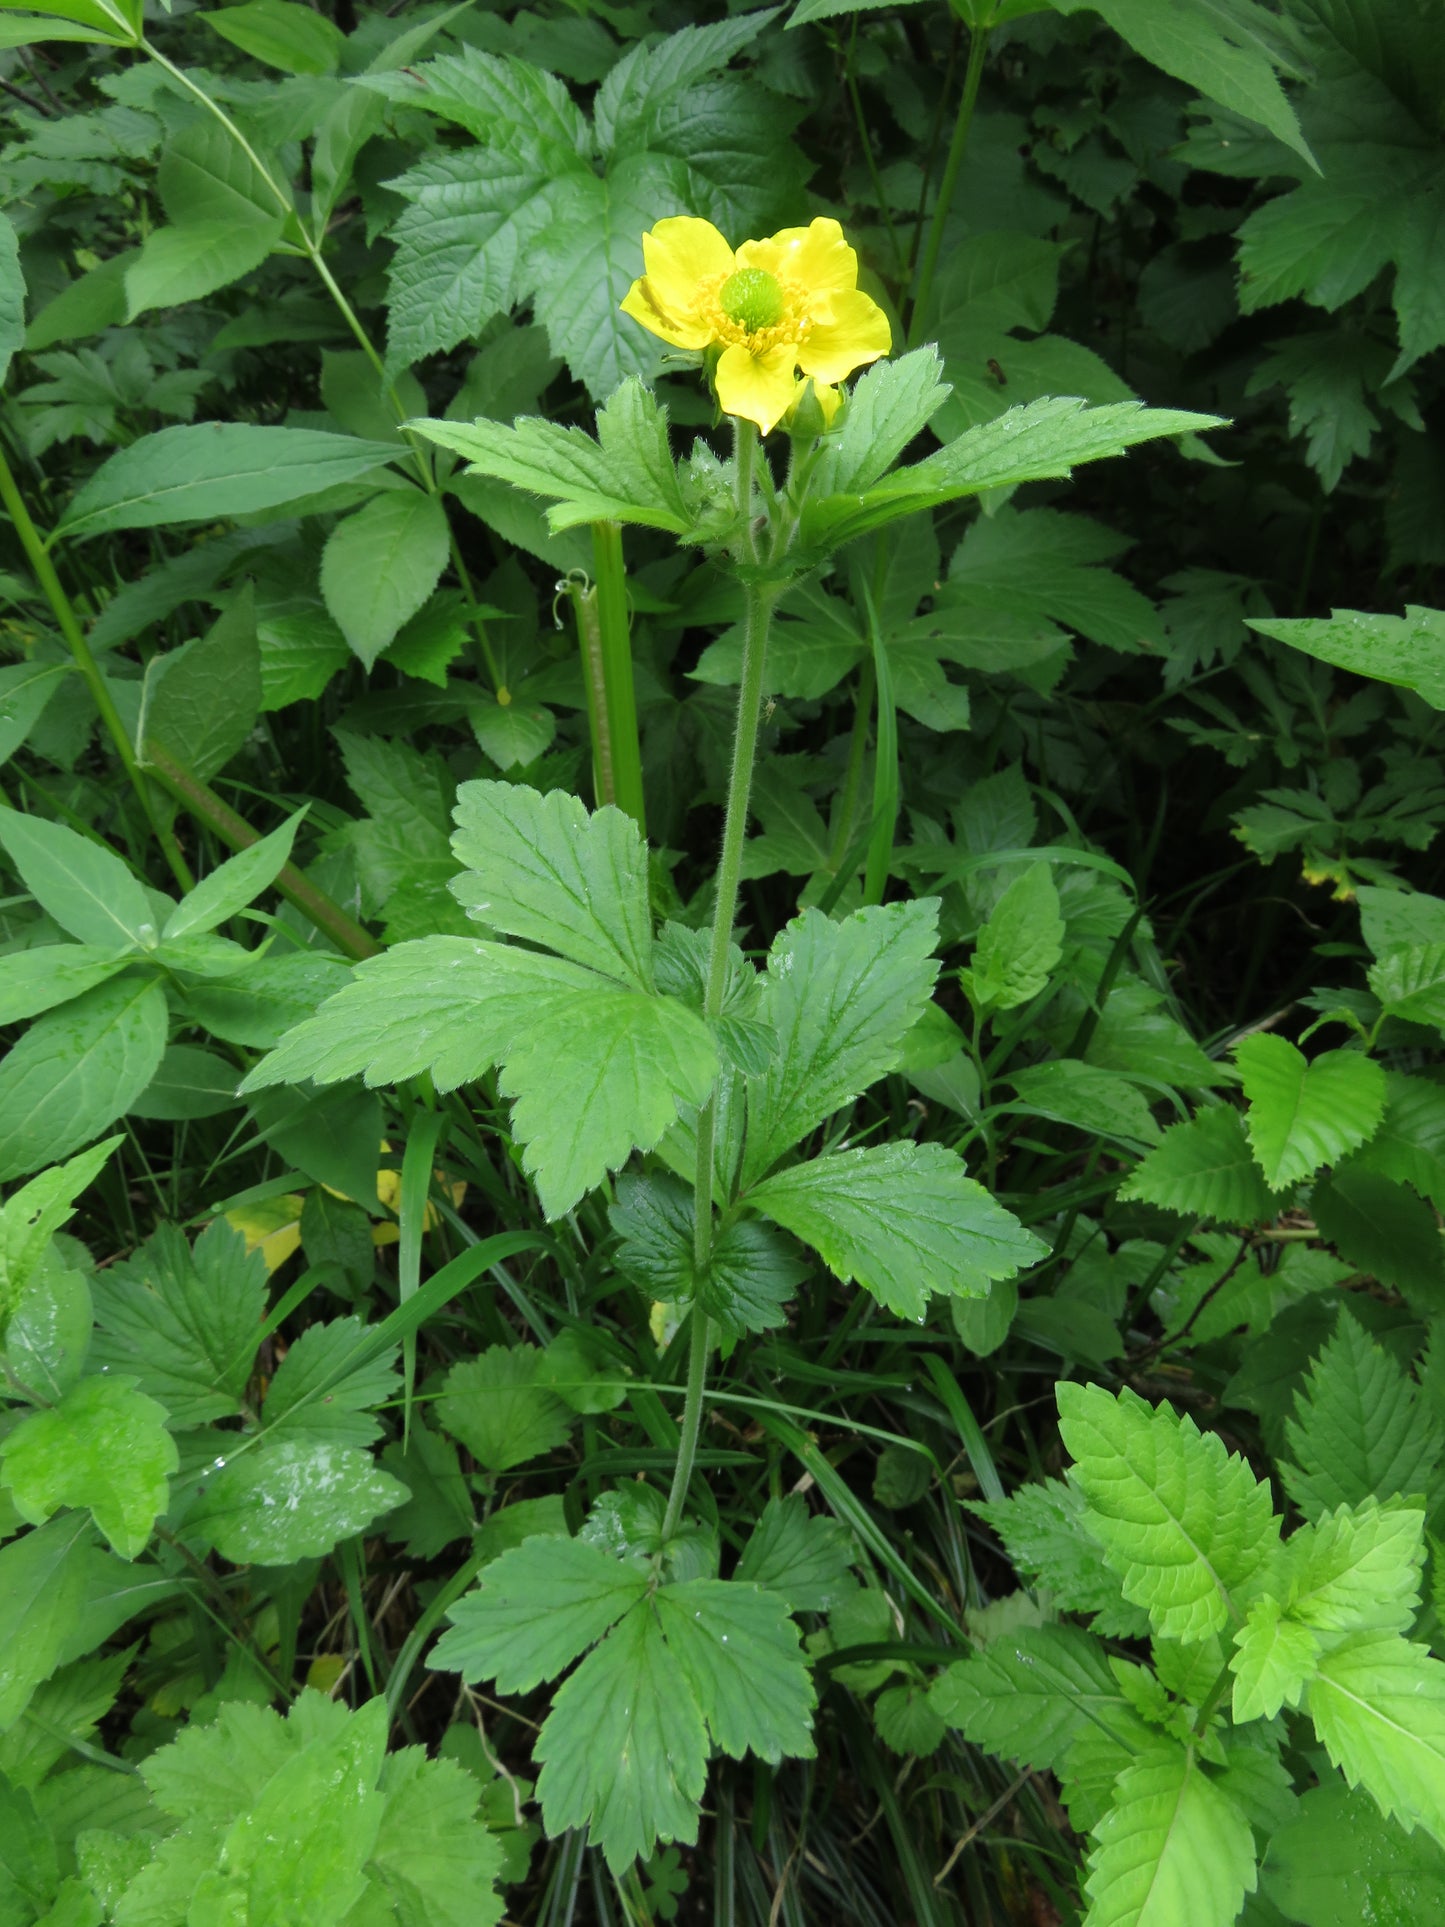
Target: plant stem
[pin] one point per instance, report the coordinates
(69, 623)
(973, 74)
(615, 641)
(853, 775)
(236, 832)
(758, 599)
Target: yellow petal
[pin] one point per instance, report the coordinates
(679, 255)
(757, 387)
(857, 334)
(816, 258)
(682, 331)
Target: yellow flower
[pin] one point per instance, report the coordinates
(776, 306)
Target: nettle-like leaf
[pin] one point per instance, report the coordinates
(30, 1217)
(672, 1670)
(597, 1061)
(1274, 1659)
(1045, 1534)
(1358, 1570)
(527, 214)
(1185, 1523)
(1048, 1698)
(1361, 1429)
(1173, 1847)
(905, 1220)
(1302, 1115)
(1019, 945)
(1378, 1706)
(1204, 1169)
(309, 1818)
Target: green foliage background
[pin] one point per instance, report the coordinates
(1064, 1545)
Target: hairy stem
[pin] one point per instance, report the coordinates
(758, 599)
(69, 624)
(952, 167)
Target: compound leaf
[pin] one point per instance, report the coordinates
(739, 1651)
(1274, 1659)
(1357, 1570)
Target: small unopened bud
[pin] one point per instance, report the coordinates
(814, 411)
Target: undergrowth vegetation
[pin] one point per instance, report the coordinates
(722, 1119)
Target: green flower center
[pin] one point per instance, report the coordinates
(752, 298)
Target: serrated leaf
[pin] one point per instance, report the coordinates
(624, 1749)
(1043, 1529)
(1408, 650)
(1183, 1521)
(1228, 54)
(1173, 1850)
(1203, 1169)
(1358, 1569)
(1042, 440)
(803, 1557)
(596, 1071)
(1032, 1696)
(1360, 1430)
(105, 1447)
(1378, 1706)
(907, 1720)
(1104, 1104)
(739, 1652)
(1302, 1115)
(283, 1499)
(1410, 983)
(77, 1069)
(501, 1631)
(43, 1586)
(1273, 1661)
(499, 1408)
(548, 870)
(1020, 944)
(888, 406)
(1385, 1230)
(432, 1857)
(440, 1510)
(626, 474)
(651, 74)
(319, 1394)
(196, 473)
(904, 1219)
(750, 1272)
(380, 565)
(841, 998)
